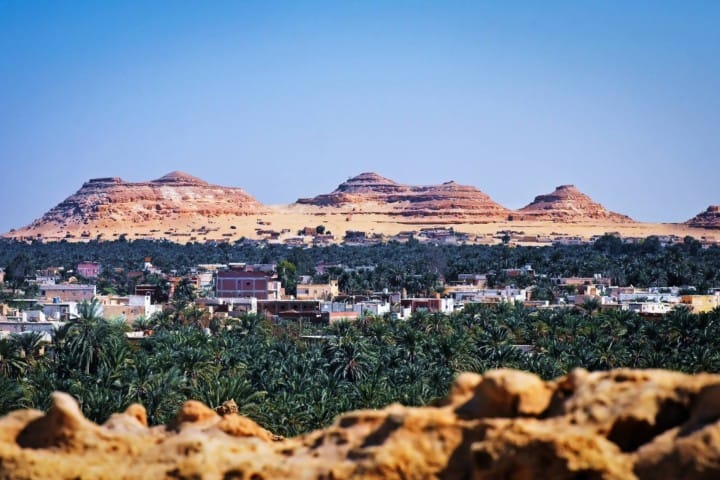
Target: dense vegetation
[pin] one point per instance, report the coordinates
(292, 384)
(413, 266)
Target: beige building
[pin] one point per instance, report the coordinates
(129, 308)
(67, 292)
(701, 303)
(311, 291)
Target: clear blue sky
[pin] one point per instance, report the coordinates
(288, 99)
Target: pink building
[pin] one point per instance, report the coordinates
(89, 269)
(236, 283)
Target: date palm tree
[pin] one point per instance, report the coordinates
(12, 363)
(81, 344)
(31, 344)
(12, 397)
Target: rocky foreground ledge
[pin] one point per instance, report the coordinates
(621, 424)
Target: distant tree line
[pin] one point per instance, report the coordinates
(417, 267)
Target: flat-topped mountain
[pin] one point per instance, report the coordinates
(447, 199)
(710, 218)
(183, 208)
(177, 195)
(568, 204)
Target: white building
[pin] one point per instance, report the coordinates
(367, 307)
(650, 308)
(489, 295)
(60, 311)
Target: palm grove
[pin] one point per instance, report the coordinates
(291, 382)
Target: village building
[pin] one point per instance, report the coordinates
(67, 292)
(475, 279)
(233, 307)
(508, 294)
(362, 308)
(88, 269)
(155, 292)
(649, 309)
(408, 306)
(291, 309)
(61, 311)
(240, 283)
(596, 279)
(324, 291)
(129, 308)
(701, 303)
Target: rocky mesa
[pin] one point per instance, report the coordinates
(568, 204)
(182, 208)
(710, 218)
(372, 193)
(506, 424)
(104, 202)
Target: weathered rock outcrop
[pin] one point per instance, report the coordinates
(568, 204)
(175, 195)
(448, 199)
(710, 218)
(621, 424)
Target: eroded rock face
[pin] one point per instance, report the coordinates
(710, 218)
(447, 199)
(621, 424)
(175, 195)
(568, 204)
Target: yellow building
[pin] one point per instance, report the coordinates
(701, 303)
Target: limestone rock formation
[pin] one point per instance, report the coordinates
(372, 192)
(620, 424)
(710, 218)
(182, 208)
(568, 204)
(103, 202)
